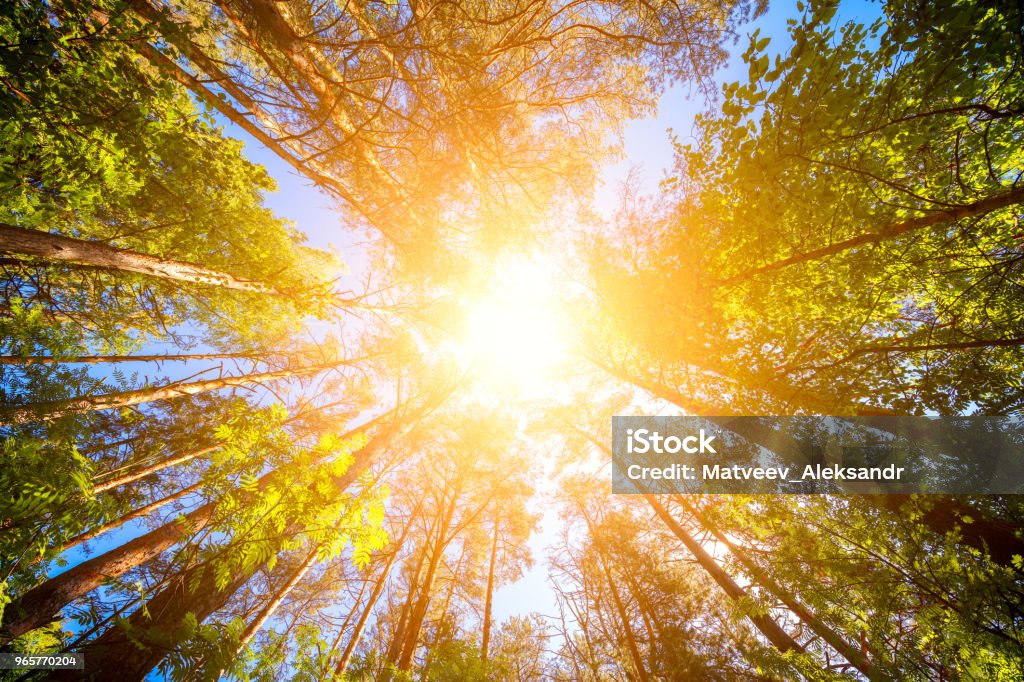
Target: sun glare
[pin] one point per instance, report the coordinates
(515, 337)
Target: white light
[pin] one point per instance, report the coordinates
(515, 337)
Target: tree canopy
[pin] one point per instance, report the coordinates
(225, 456)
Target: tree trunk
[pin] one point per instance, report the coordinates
(273, 22)
(779, 638)
(851, 653)
(132, 476)
(55, 409)
(49, 246)
(268, 610)
(429, 661)
(489, 599)
(634, 650)
(395, 647)
(419, 612)
(133, 657)
(174, 460)
(993, 203)
(130, 516)
(98, 359)
(330, 658)
(41, 604)
(174, 602)
(378, 589)
(278, 140)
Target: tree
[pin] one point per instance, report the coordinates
(864, 234)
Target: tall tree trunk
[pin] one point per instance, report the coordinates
(620, 608)
(54, 247)
(277, 140)
(276, 25)
(850, 652)
(993, 203)
(41, 604)
(99, 359)
(429, 661)
(651, 623)
(489, 598)
(419, 612)
(156, 467)
(779, 638)
(180, 458)
(378, 589)
(170, 606)
(270, 608)
(395, 646)
(131, 516)
(357, 632)
(134, 656)
(273, 21)
(55, 409)
(357, 604)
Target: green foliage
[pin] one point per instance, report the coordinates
(918, 601)
(98, 145)
(853, 131)
(456, 660)
(39, 479)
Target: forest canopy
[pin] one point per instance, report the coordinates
(232, 450)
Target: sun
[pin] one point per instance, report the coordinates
(514, 334)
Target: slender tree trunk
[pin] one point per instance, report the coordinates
(419, 612)
(156, 467)
(41, 604)
(130, 516)
(489, 598)
(330, 658)
(634, 650)
(851, 653)
(175, 601)
(49, 246)
(378, 589)
(429, 661)
(180, 458)
(270, 608)
(134, 656)
(651, 623)
(55, 409)
(357, 633)
(273, 21)
(899, 345)
(99, 359)
(993, 203)
(779, 638)
(395, 647)
(278, 140)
